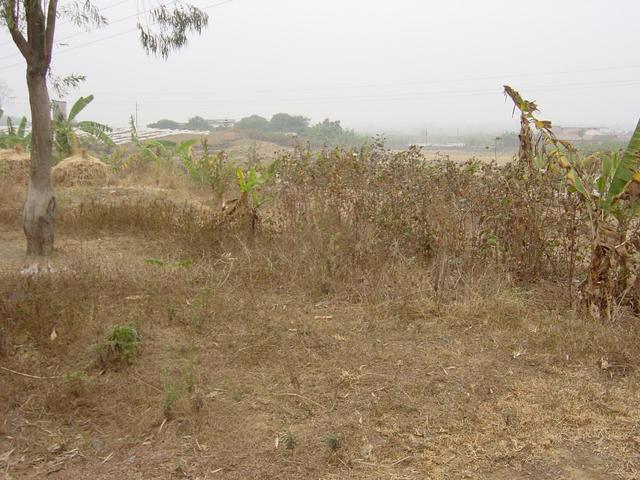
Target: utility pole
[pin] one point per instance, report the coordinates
(136, 115)
(426, 138)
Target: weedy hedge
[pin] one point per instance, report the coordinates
(553, 214)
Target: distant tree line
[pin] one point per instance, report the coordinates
(280, 122)
(194, 123)
(325, 133)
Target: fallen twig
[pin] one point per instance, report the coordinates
(302, 397)
(107, 458)
(29, 376)
(400, 461)
(162, 425)
(147, 383)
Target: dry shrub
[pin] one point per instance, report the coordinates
(342, 221)
(12, 196)
(463, 216)
(190, 225)
(141, 173)
(81, 170)
(355, 222)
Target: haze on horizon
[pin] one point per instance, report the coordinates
(375, 65)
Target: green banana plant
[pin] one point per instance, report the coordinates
(65, 130)
(616, 189)
(249, 183)
(15, 136)
(611, 199)
(158, 152)
(212, 169)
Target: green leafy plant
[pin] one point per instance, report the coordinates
(249, 182)
(15, 136)
(161, 263)
(608, 188)
(76, 382)
(177, 383)
(334, 442)
(158, 152)
(213, 170)
(120, 344)
(65, 130)
(612, 200)
(173, 391)
(290, 440)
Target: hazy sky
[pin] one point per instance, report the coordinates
(376, 65)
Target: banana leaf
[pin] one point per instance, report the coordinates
(96, 130)
(22, 127)
(626, 168)
(80, 104)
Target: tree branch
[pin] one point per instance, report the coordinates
(51, 28)
(11, 17)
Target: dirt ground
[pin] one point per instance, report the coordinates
(240, 375)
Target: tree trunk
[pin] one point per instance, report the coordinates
(39, 209)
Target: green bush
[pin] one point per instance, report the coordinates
(120, 344)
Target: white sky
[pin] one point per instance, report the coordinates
(376, 65)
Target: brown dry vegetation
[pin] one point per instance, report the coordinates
(385, 320)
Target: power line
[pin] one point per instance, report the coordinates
(395, 97)
(75, 47)
(346, 87)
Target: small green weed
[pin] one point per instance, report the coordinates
(161, 263)
(334, 441)
(120, 344)
(290, 440)
(172, 393)
(177, 383)
(75, 383)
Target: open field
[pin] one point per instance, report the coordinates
(462, 155)
(335, 341)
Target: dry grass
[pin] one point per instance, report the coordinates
(461, 155)
(12, 197)
(363, 315)
(14, 166)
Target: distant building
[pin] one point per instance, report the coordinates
(58, 108)
(221, 122)
(440, 145)
(588, 134)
